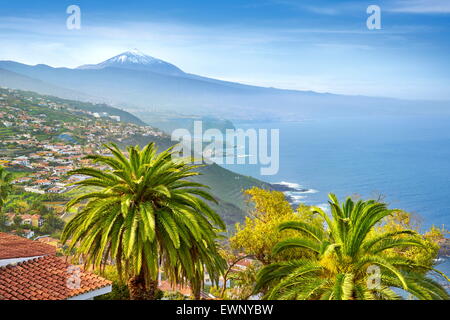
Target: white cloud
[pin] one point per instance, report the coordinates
(315, 8)
(323, 10)
(421, 6)
(257, 55)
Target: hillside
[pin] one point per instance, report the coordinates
(46, 137)
(22, 82)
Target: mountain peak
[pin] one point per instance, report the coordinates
(135, 51)
(137, 60)
(133, 57)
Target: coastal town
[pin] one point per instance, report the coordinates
(42, 139)
(46, 149)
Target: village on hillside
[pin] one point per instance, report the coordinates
(41, 140)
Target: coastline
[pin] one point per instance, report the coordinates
(294, 192)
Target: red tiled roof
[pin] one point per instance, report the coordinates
(48, 240)
(245, 262)
(30, 216)
(46, 278)
(12, 246)
(166, 286)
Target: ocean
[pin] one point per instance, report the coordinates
(405, 160)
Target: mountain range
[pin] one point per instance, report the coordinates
(140, 83)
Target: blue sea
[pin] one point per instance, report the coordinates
(406, 160)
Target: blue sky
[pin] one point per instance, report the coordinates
(307, 45)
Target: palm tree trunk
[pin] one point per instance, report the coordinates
(136, 286)
(197, 295)
(139, 290)
(152, 290)
(196, 288)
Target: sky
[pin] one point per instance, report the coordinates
(320, 45)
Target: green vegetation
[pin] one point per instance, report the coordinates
(228, 188)
(259, 233)
(344, 255)
(6, 132)
(79, 105)
(99, 108)
(5, 185)
(119, 289)
(146, 216)
(19, 203)
(5, 190)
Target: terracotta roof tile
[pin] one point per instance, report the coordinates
(12, 246)
(167, 286)
(46, 278)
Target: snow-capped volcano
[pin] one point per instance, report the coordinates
(136, 60)
(133, 57)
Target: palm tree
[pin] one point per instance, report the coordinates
(5, 185)
(145, 216)
(350, 263)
